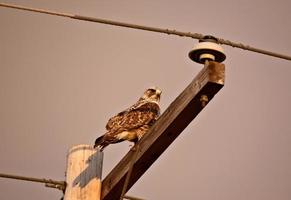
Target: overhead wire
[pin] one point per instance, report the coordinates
(148, 28)
(61, 185)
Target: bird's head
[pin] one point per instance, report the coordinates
(152, 94)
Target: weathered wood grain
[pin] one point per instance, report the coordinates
(83, 174)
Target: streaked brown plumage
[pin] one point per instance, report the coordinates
(132, 123)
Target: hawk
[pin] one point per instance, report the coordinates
(132, 123)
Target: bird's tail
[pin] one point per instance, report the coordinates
(100, 143)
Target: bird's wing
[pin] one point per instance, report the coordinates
(133, 118)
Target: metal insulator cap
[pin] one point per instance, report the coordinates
(207, 49)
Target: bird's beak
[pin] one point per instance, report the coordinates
(159, 92)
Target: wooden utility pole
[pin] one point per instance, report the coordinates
(83, 176)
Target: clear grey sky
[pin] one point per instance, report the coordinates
(61, 79)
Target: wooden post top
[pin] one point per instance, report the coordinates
(83, 176)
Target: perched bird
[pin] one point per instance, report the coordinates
(132, 123)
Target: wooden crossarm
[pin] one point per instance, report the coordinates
(171, 123)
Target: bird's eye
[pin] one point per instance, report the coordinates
(152, 90)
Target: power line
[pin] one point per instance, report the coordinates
(148, 28)
(61, 185)
(132, 198)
